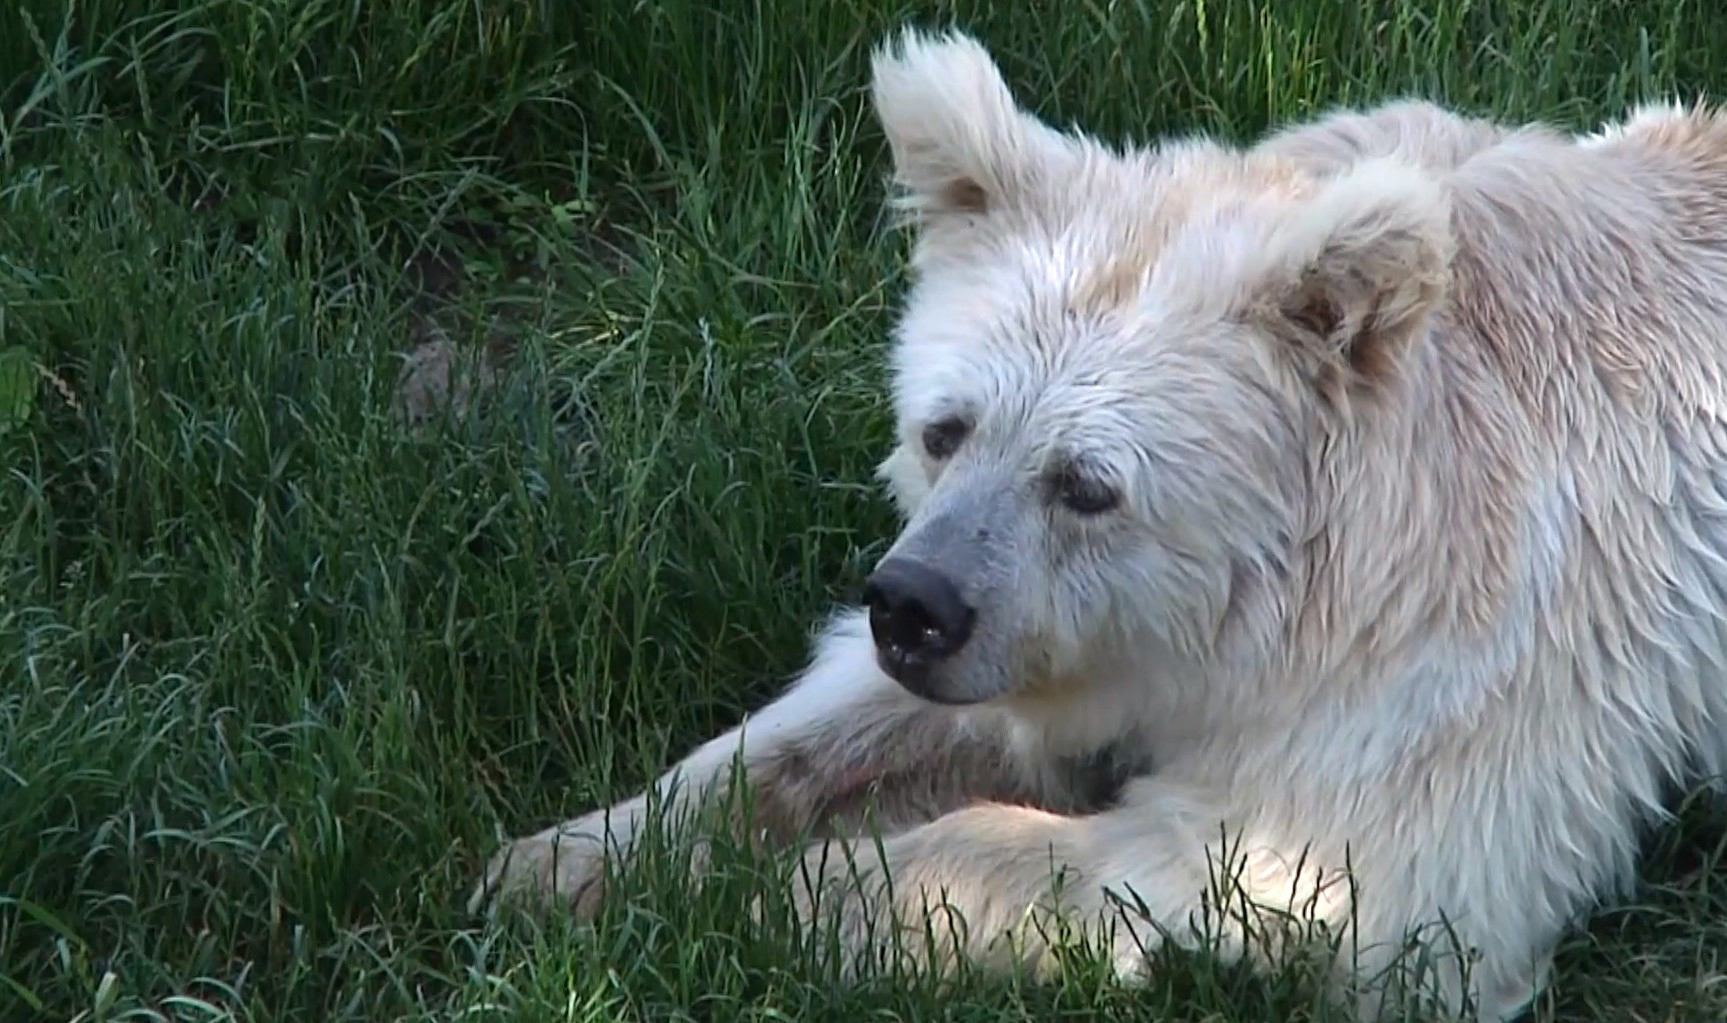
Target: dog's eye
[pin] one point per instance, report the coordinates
(1085, 495)
(944, 436)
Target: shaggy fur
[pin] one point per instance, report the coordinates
(1415, 429)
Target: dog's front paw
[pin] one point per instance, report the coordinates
(849, 891)
(840, 887)
(927, 901)
(563, 866)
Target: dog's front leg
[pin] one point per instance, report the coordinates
(843, 738)
(995, 883)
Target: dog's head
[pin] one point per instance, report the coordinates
(1111, 376)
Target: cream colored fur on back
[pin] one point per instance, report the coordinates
(1483, 400)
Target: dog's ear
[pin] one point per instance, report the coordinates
(1351, 272)
(962, 147)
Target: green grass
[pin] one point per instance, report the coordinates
(276, 671)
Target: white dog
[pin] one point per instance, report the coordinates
(1357, 499)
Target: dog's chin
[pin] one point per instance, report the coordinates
(932, 683)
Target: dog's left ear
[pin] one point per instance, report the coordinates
(962, 147)
(1351, 272)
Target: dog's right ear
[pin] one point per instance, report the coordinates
(961, 145)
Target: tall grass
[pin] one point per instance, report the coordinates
(276, 670)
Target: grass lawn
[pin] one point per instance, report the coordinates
(278, 667)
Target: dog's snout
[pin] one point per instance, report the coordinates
(917, 617)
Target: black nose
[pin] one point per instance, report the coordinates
(916, 616)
